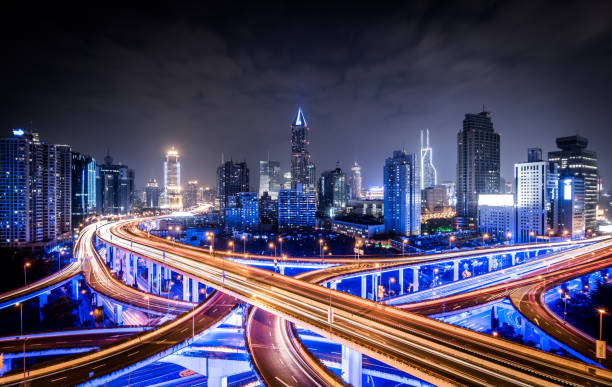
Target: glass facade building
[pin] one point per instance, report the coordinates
(402, 194)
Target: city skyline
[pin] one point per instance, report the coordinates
(345, 97)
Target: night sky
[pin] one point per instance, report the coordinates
(228, 78)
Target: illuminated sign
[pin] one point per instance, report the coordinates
(18, 132)
(496, 200)
(567, 189)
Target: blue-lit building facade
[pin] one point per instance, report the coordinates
(296, 209)
(572, 216)
(84, 174)
(244, 214)
(332, 192)
(402, 194)
(115, 188)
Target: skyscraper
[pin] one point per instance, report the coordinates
(42, 165)
(402, 197)
(535, 182)
(190, 194)
(63, 190)
(296, 209)
(332, 192)
(231, 179)
(172, 180)
(114, 186)
(355, 183)
(575, 160)
(83, 187)
(152, 194)
(572, 215)
(429, 177)
(477, 165)
(302, 169)
(14, 189)
(270, 178)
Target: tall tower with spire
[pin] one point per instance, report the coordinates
(172, 180)
(302, 168)
(428, 171)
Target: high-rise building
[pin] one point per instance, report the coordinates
(33, 182)
(355, 183)
(152, 194)
(14, 189)
(84, 172)
(190, 194)
(429, 177)
(268, 211)
(114, 185)
(572, 214)
(332, 192)
(535, 183)
(575, 160)
(63, 190)
(270, 178)
(477, 165)
(434, 198)
(244, 213)
(296, 209)
(172, 180)
(451, 197)
(303, 172)
(496, 215)
(231, 179)
(402, 197)
(286, 180)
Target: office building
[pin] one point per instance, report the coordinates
(190, 194)
(84, 171)
(152, 194)
(42, 163)
(63, 190)
(429, 176)
(402, 194)
(296, 209)
(268, 211)
(231, 179)
(172, 181)
(451, 197)
(14, 189)
(536, 190)
(270, 178)
(332, 192)
(375, 193)
(574, 159)
(114, 185)
(496, 215)
(477, 166)
(355, 183)
(244, 213)
(434, 198)
(572, 214)
(302, 168)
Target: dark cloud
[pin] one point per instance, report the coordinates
(227, 78)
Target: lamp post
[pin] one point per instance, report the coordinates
(231, 244)
(601, 313)
(389, 282)
(450, 241)
(321, 248)
(435, 277)
(25, 276)
(280, 241)
(484, 238)
(508, 235)
(531, 235)
(404, 241)
(243, 244)
(272, 246)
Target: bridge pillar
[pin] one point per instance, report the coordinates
(513, 257)
(455, 270)
(127, 270)
(75, 288)
(185, 288)
(364, 286)
(351, 366)
(158, 278)
(42, 301)
(134, 269)
(490, 262)
(282, 270)
(400, 280)
(333, 285)
(109, 256)
(118, 312)
(415, 278)
(149, 276)
(195, 291)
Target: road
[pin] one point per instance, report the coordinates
(428, 349)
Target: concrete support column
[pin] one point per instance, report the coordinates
(75, 288)
(158, 278)
(513, 255)
(42, 301)
(134, 269)
(415, 278)
(333, 285)
(351, 366)
(118, 312)
(400, 279)
(364, 286)
(455, 270)
(491, 260)
(195, 291)
(127, 270)
(149, 276)
(282, 270)
(185, 288)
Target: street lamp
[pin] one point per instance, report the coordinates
(450, 241)
(601, 311)
(280, 240)
(389, 282)
(508, 236)
(321, 248)
(272, 246)
(404, 241)
(243, 244)
(484, 237)
(531, 235)
(25, 277)
(231, 244)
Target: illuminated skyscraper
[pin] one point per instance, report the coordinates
(63, 188)
(355, 182)
(303, 172)
(114, 187)
(172, 180)
(190, 194)
(477, 165)
(402, 205)
(231, 179)
(270, 178)
(575, 160)
(429, 176)
(14, 189)
(84, 173)
(152, 194)
(332, 192)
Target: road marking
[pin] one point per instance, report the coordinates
(133, 353)
(55, 380)
(101, 365)
(280, 380)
